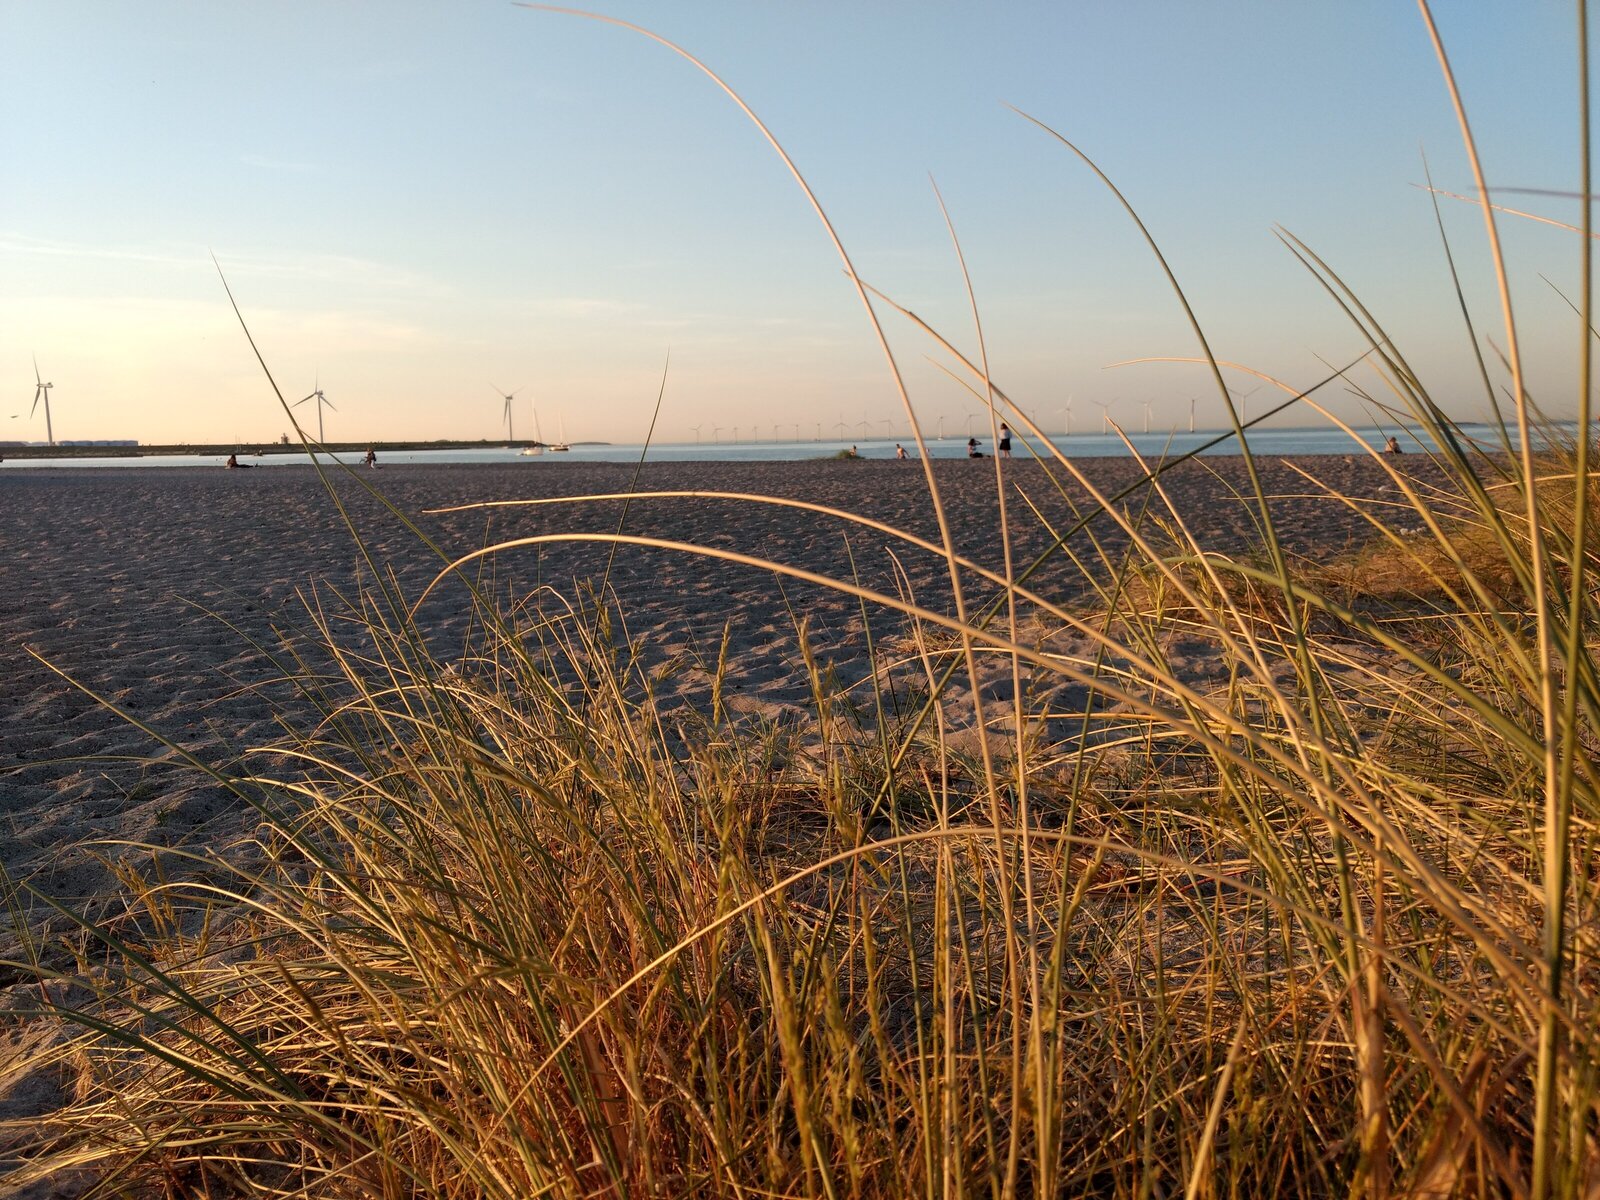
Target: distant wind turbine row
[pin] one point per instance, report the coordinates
(41, 394)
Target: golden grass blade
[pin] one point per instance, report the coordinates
(1555, 802)
(1510, 212)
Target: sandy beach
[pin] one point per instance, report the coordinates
(169, 592)
(148, 587)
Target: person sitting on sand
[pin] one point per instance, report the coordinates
(972, 448)
(1004, 448)
(1392, 446)
(899, 451)
(372, 457)
(233, 464)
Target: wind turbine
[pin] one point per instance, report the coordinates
(1244, 403)
(1191, 414)
(1147, 416)
(321, 400)
(697, 429)
(1105, 414)
(506, 396)
(41, 391)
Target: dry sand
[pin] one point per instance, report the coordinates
(148, 586)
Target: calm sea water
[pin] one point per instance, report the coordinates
(1270, 442)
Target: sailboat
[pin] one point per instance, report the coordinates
(537, 448)
(561, 446)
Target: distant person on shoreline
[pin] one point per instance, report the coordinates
(233, 464)
(372, 457)
(972, 448)
(1005, 440)
(899, 451)
(1392, 446)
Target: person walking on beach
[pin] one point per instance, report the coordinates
(372, 457)
(1005, 440)
(899, 451)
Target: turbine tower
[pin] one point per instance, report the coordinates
(507, 397)
(41, 391)
(321, 400)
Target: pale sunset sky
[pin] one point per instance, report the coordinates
(417, 204)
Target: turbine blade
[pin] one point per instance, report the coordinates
(329, 403)
(301, 401)
(498, 392)
(37, 378)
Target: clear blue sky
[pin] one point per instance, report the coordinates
(414, 201)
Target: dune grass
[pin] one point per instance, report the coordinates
(1319, 921)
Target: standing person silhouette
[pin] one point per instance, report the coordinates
(1005, 440)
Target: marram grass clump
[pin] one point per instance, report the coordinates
(512, 929)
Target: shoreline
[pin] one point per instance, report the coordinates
(33, 453)
(1265, 442)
